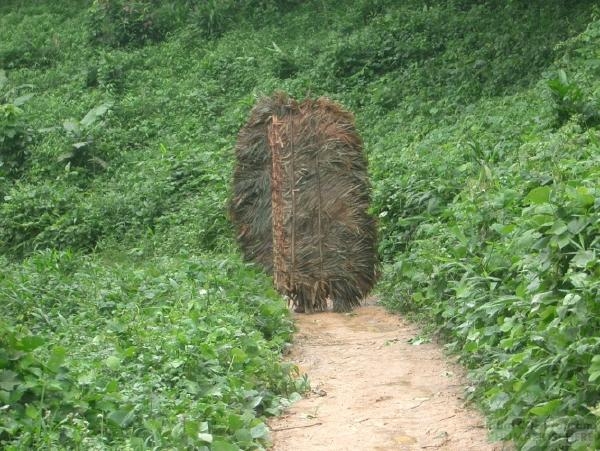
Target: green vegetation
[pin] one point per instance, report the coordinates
(128, 320)
(114, 351)
(491, 221)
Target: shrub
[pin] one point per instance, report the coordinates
(83, 152)
(15, 134)
(154, 353)
(29, 55)
(129, 22)
(15, 137)
(570, 100)
(33, 216)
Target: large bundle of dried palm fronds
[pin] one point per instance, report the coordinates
(300, 199)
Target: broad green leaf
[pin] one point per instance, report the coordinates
(582, 196)
(503, 229)
(22, 99)
(546, 408)
(507, 324)
(8, 380)
(471, 346)
(235, 422)
(561, 241)
(31, 342)
(562, 76)
(532, 444)
(57, 357)
(192, 429)
(254, 401)
(238, 355)
(579, 279)
(243, 435)
(221, 445)
(5, 396)
(86, 378)
(571, 299)
(542, 220)
(594, 375)
(577, 225)
(558, 228)
(192, 387)
(112, 386)
(594, 369)
(112, 362)
(294, 397)
(32, 412)
(176, 363)
(94, 114)
(80, 145)
(498, 401)
(259, 431)
(121, 417)
(205, 437)
(539, 195)
(527, 239)
(582, 258)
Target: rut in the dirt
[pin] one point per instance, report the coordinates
(373, 390)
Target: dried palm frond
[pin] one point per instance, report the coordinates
(300, 199)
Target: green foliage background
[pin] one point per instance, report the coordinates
(128, 320)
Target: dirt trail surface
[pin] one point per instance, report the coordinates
(373, 390)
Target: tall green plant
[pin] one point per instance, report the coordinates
(15, 133)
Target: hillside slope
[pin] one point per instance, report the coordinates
(117, 124)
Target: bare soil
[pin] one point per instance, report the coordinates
(371, 389)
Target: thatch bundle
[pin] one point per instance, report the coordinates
(300, 199)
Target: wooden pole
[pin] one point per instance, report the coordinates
(280, 276)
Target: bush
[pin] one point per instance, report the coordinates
(130, 22)
(29, 55)
(32, 41)
(35, 216)
(15, 134)
(152, 353)
(570, 100)
(15, 137)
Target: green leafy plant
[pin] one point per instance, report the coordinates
(285, 64)
(81, 132)
(212, 379)
(29, 54)
(570, 100)
(15, 134)
(127, 22)
(212, 18)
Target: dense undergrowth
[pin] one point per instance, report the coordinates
(128, 320)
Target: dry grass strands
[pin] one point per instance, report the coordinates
(300, 199)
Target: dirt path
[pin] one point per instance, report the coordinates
(373, 390)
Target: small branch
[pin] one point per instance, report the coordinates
(418, 405)
(296, 427)
(447, 418)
